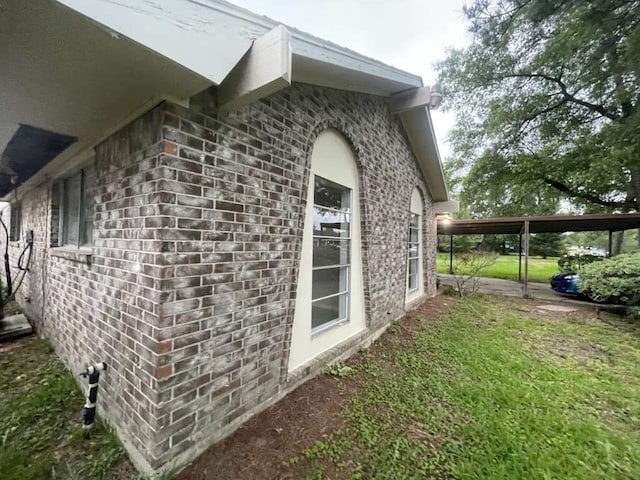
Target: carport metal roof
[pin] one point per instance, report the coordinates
(612, 222)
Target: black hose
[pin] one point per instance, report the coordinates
(7, 269)
(7, 266)
(23, 271)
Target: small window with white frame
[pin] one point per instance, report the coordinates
(72, 209)
(15, 224)
(414, 253)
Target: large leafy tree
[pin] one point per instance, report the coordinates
(547, 100)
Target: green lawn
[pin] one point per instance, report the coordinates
(40, 423)
(506, 267)
(490, 391)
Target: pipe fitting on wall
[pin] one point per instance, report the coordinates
(89, 411)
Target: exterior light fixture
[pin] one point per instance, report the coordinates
(435, 98)
(444, 218)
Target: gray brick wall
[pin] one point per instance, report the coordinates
(105, 307)
(190, 291)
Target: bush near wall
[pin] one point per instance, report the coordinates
(613, 278)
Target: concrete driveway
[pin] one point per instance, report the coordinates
(509, 288)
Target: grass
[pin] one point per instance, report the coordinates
(491, 392)
(40, 422)
(506, 267)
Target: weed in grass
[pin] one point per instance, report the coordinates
(369, 368)
(395, 327)
(340, 370)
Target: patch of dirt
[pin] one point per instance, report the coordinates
(581, 350)
(531, 308)
(257, 449)
(310, 413)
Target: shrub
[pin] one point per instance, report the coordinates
(467, 268)
(613, 278)
(574, 263)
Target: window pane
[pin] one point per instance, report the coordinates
(328, 223)
(328, 281)
(413, 266)
(329, 309)
(71, 209)
(88, 194)
(414, 235)
(413, 282)
(330, 194)
(14, 226)
(413, 250)
(330, 252)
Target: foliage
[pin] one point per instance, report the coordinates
(614, 278)
(461, 243)
(601, 240)
(546, 244)
(547, 100)
(574, 263)
(490, 392)
(467, 268)
(339, 369)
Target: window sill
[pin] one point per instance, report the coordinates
(328, 326)
(414, 299)
(80, 255)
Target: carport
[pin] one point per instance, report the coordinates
(525, 226)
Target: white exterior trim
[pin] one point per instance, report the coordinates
(416, 207)
(264, 70)
(332, 159)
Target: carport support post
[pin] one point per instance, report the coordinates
(520, 258)
(526, 258)
(610, 243)
(451, 254)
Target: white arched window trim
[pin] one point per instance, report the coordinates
(415, 249)
(329, 307)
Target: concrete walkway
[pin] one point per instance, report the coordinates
(509, 288)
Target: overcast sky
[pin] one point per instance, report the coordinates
(407, 34)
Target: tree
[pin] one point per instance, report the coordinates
(547, 100)
(547, 244)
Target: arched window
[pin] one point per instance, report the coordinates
(329, 304)
(415, 275)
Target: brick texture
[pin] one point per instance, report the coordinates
(190, 289)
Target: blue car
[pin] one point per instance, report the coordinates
(566, 283)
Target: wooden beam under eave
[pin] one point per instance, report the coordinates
(265, 69)
(410, 100)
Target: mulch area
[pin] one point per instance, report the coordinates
(313, 411)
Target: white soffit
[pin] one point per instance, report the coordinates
(62, 73)
(207, 41)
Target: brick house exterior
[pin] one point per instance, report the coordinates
(189, 287)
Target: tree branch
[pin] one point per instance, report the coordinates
(585, 196)
(569, 97)
(550, 108)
